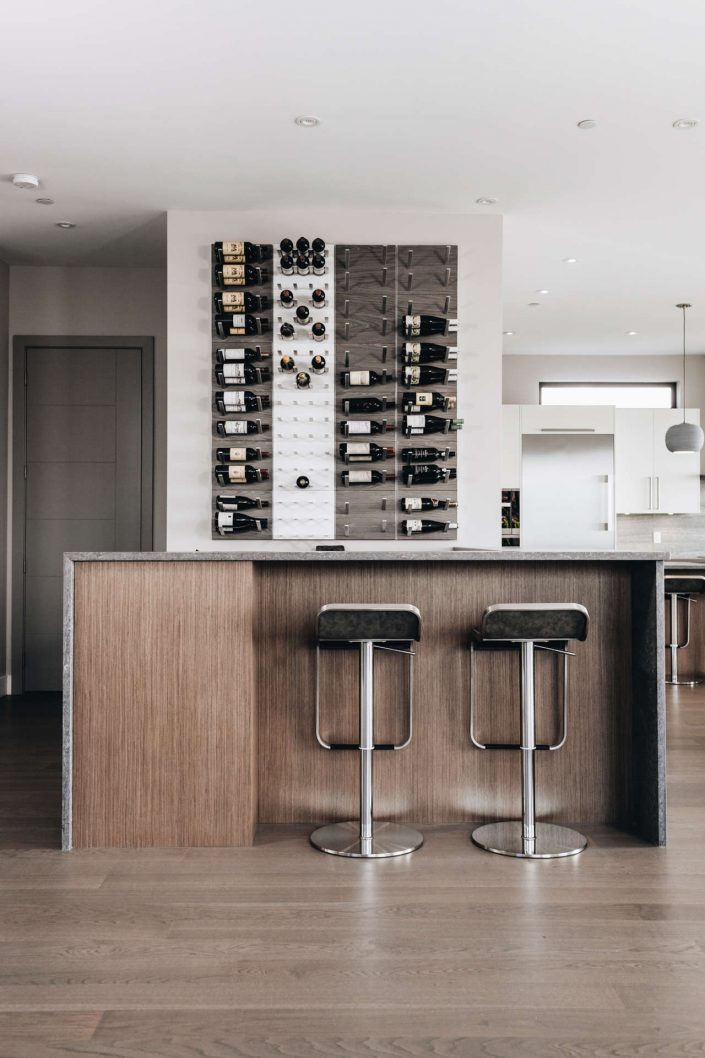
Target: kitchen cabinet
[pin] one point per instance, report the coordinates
(511, 447)
(566, 418)
(649, 478)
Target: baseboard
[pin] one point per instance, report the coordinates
(5, 685)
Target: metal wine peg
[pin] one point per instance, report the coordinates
(384, 303)
(384, 354)
(346, 530)
(410, 308)
(346, 284)
(347, 358)
(384, 325)
(346, 310)
(447, 261)
(410, 259)
(411, 280)
(347, 328)
(346, 507)
(447, 279)
(384, 525)
(347, 257)
(446, 305)
(384, 277)
(384, 254)
(384, 503)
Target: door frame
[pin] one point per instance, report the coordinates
(21, 343)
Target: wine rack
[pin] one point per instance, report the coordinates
(368, 290)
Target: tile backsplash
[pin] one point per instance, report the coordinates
(680, 533)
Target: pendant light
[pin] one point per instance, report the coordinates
(684, 436)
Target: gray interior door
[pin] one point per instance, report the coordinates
(83, 481)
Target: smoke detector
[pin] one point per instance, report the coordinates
(25, 181)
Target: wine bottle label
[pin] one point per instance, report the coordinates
(414, 503)
(234, 372)
(424, 400)
(416, 423)
(234, 275)
(360, 477)
(237, 455)
(412, 325)
(233, 355)
(234, 248)
(414, 525)
(233, 300)
(358, 449)
(412, 377)
(225, 521)
(359, 427)
(236, 324)
(235, 401)
(233, 426)
(359, 378)
(236, 475)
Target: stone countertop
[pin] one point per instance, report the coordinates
(507, 554)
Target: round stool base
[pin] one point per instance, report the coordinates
(551, 841)
(388, 839)
(685, 681)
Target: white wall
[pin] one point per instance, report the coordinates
(190, 234)
(4, 438)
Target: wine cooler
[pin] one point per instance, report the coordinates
(334, 390)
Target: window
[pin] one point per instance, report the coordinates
(617, 394)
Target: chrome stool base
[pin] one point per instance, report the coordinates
(685, 681)
(551, 841)
(388, 839)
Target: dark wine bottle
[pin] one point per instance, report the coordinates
(286, 246)
(225, 502)
(240, 455)
(240, 374)
(425, 376)
(302, 482)
(364, 452)
(413, 425)
(427, 503)
(227, 523)
(365, 378)
(364, 477)
(232, 474)
(352, 427)
(287, 298)
(240, 275)
(286, 264)
(287, 363)
(411, 526)
(426, 353)
(424, 455)
(318, 332)
(427, 474)
(318, 363)
(287, 330)
(240, 301)
(228, 325)
(318, 297)
(303, 380)
(241, 252)
(235, 427)
(302, 265)
(422, 326)
(351, 405)
(318, 264)
(240, 401)
(318, 245)
(415, 403)
(238, 356)
(303, 245)
(303, 313)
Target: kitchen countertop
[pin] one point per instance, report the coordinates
(507, 554)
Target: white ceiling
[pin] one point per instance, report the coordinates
(129, 109)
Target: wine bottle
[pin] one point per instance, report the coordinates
(287, 363)
(424, 376)
(364, 378)
(424, 455)
(239, 503)
(425, 424)
(426, 353)
(422, 326)
(318, 263)
(233, 427)
(421, 402)
(303, 313)
(427, 474)
(229, 474)
(427, 503)
(411, 526)
(286, 264)
(318, 297)
(364, 477)
(240, 401)
(230, 324)
(352, 427)
(302, 482)
(303, 245)
(303, 380)
(287, 330)
(366, 404)
(364, 452)
(287, 298)
(237, 356)
(286, 246)
(240, 301)
(318, 363)
(240, 455)
(241, 252)
(240, 275)
(302, 265)
(318, 245)
(240, 375)
(318, 331)
(228, 523)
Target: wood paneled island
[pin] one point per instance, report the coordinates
(189, 694)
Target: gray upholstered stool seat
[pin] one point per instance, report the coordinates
(528, 627)
(681, 587)
(367, 626)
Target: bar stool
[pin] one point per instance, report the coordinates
(531, 627)
(681, 586)
(374, 626)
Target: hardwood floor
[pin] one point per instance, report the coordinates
(277, 950)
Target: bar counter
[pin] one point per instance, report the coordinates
(189, 693)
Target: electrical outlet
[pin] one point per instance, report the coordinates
(657, 536)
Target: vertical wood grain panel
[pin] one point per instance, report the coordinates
(164, 706)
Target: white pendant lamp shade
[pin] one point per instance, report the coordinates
(684, 436)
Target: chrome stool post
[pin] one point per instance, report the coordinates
(531, 627)
(372, 627)
(681, 586)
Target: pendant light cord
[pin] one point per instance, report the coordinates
(684, 363)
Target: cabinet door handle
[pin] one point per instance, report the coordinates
(610, 502)
(658, 494)
(651, 494)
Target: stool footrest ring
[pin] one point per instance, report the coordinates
(357, 746)
(515, 745)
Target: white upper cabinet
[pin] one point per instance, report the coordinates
(511, 447)
(564, 418)
(649, 478)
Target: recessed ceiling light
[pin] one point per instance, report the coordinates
(508, 333)
(587, 123)
(486, 201)
(632, 333)
(685, 123)
(65, 224)
(25, 181)
(44, 201)
(570, 260)
(307, 121)
(542, 292)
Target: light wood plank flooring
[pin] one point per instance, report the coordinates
(279, 951)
